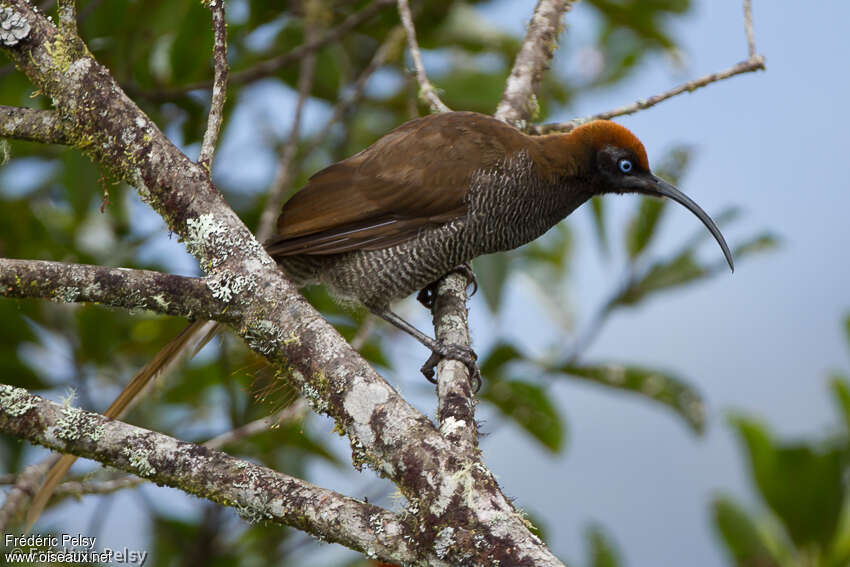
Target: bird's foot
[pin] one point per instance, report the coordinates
(462, 354)
(429, 293)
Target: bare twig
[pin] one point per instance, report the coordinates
(351, 98)
(285, 170)
(363, 332)
(270, 66)
(44, 126)
(753, 63)
(519, 104)
(393, 41)
(24, 486)
(426, 90)
(748, 26)
(219, 91)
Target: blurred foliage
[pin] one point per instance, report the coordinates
(56, 205)
(803, 486)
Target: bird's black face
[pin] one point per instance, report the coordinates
(620, 171)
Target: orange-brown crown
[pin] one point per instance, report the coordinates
(600, 133)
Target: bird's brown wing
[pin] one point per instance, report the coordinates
(416, 176)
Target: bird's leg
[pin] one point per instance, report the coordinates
(428, 293)
(439, 350)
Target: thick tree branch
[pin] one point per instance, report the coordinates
(258, 493)
(219, 91)
(44, 126)
(426, 90)
(117, 287)
(463, 515)
(519, 103)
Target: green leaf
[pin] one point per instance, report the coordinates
(746, 545)
(662, 275)
(847, 330)
(762, 242)
(597, 206)
(666, 389)
(841, 390)
(803, 485)
(603, 551)
(641, 227)
(492, 273)
(499, 356)
(530, 407)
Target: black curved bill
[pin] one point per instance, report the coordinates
(668, 190)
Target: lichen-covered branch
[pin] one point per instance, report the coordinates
(456, 404)
(219, 90)
(426, 90)
(519, 103)
(257, 493)
(117, 287)
(44, 126)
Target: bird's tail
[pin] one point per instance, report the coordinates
(185, 345)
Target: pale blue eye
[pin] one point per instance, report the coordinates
(625, 165)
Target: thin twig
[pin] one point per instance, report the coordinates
(753, 63)
(270, 66)
(285, 170)
(748, 26)
(24, 487)
(219, 91)
(426, 90)
(519, 102)
(394, 39)
(363, 333)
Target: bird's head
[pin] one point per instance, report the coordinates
(614, 160)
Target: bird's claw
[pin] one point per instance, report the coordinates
(428, 293)
(453, 352)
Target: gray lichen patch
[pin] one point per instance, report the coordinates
(226, 284)
(14, 27)
(66, 294)
(15, 401)
(205, 232)
(138, 459)
(75, 425)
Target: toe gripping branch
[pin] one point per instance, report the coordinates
(441, 350)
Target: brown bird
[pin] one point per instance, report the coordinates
(424, 200)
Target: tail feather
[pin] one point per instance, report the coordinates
(185, 345)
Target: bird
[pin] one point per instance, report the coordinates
(423, 201)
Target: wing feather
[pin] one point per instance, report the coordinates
(387, 193)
